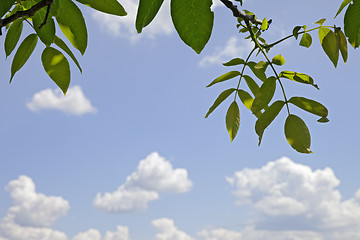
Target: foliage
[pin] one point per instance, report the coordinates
(193, 21)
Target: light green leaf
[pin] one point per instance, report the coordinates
(341, 41)
(72, 24)
(297, 134)
(331, 47)
(309, 105)
(352, 23)
(13, 36)
(343, 4)
(278, 60)
(23, 53)
(261, 66)
(267, 117)
(225, 94)
(107, 6)
(245, 98)
(321, 21)
(225, 77)
(146, 12)
(322, 33)
(306, 40)
(57, 67)
(264, 95)
(47, 32)
(5, 6)
(61, 44)
(298, 77)
(264, 24)
(233, 62)
(259, 73)
(193, 20)
(233, 120)
(253, 86)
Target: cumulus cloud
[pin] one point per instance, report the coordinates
(233, 48)
(74, 102)
(31, 214)
(121, 233)
(91, 234)
(153, 175)
(168, 231)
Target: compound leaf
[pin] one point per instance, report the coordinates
(264, 95)
(225, 94)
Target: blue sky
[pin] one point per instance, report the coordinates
(128, 154)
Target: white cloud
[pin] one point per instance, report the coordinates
(122, 233)
(31, 214)
(153, 175)
(233, 48)
(91, 234)
(220, 234)
(74, 102)
(168, 230)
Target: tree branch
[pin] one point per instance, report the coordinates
(27, 13)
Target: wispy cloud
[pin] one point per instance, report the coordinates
(74, 102)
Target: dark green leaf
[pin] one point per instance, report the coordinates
(106, 6)
(233, 62)
(259, 73)
(57, 67)
(23, 53)
(193, 20)
(331, 47)
(341, 40)
(297, 134)
(219, 100)
(323, 120)
(264, 95)
(13, 36)
(296, 31)
(61, 44)
(278, 60)
(245, 98)
(306, 40)
(5, 6)
(267, 117)
(298, 77)
(233, 120)
(47, 32)
(309, 105)
(352, 23)
(72, 24)
(225, 77)
(146, 12)
(253, 86)
(343, 4)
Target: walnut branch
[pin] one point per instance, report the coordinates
(27, 13)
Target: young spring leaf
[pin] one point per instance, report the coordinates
(72, 24)
(352, 23)
(322, 33)
(253, 86)
(267, 117)
(331, 47)
(306, 40)
(309, 105)
(264, 95)
(5, 6)
(23, 53)
(13, 36)
(245, 98)
(264, 24)
(233, 120)
(193, 21)
(61, 44)
(57, 67)
(225, 77)
(298, 77)
(343, 4)
(107, 6)
(146, 12)
(47, 32)
(234, 62)
(261, 66)
(225, 94)
(321, 21)
(341, 41)
(297, 134)
(278, 60)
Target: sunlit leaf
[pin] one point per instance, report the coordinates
(225, 77)
(13, 36)
(193, 21)
(253, 86)
(61, 44)
(297, 134)
(322, 33)
(264, 95)
(259, 73)
(309, 105)
(264, 24)
(147, 10)
(23, 53)
(233, 62)
(261, 66)
(245, 98)
(5, 6)
(57, 67)
(233, 120)
(267, 117)
(331, 47)
(225, 94)
(106, 6)
(278, 60)
(352, 23)
(321, 21)
(343, 4)
(298, 77)
(306, 40)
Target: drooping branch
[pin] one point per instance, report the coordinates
(27, 13)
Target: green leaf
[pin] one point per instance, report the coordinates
(264, 95)
(5, 6)
(297, 134)
(323, 120)
(47, 32)
(296, 31)
(225, 77)
(322, 33)
(233, 120)
(61, 44)
(341, 41)
(352, 23)
(245, 98)
(343, 4)
(278, 60)
(13, 36)
(309, 105)
(225, 94)
(264, 24)
(306, 40)
(233, 62)
(23, 53)
(267, 117)
(253, 86)
(331, 47)
(193, 21)
(259, 72)
(146, 12)
(107, 6)
(57, 67)
(72, 24)
(321, 21)
(261, 66)
(298, 77)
